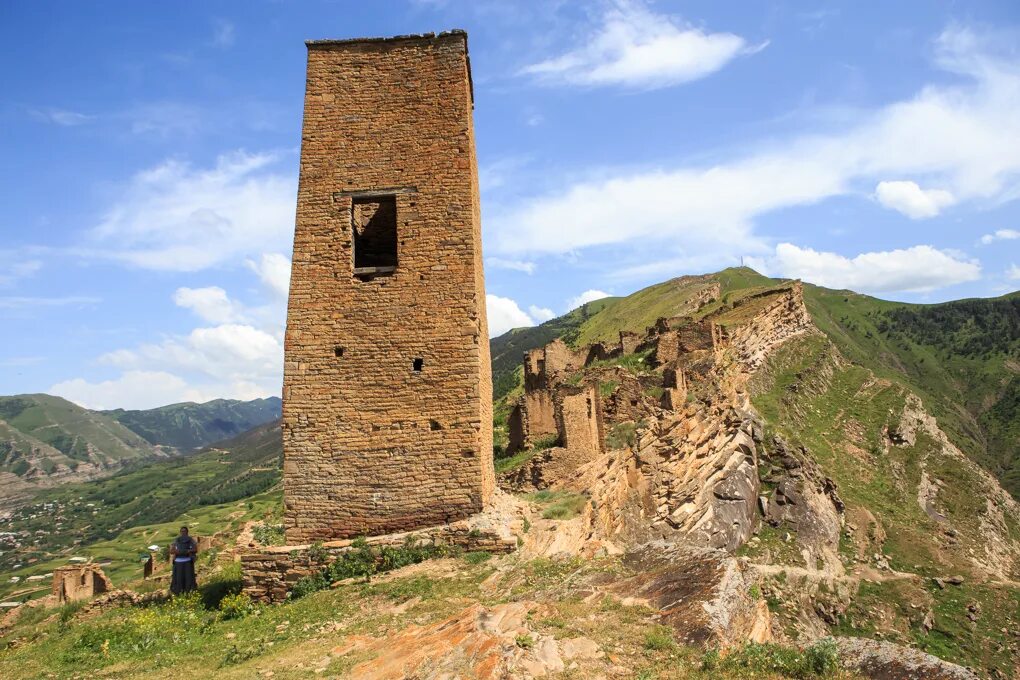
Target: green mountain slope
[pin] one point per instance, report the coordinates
(188, 425)
(46, 440)
(81, 514)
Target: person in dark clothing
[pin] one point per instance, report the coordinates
(183, 551)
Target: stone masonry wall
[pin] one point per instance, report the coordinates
(387, 389)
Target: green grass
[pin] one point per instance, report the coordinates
(559, 504)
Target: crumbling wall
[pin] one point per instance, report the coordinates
(387, 413)
(667, 347)
(579, 419)
(79, 582)
(629, 342)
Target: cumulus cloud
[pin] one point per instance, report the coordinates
(504, 314)
(274, 271)
(1000, 235)
(908, 198)
(175, 217)
(636, 47)
(1013, 273)
(917, 269)
(134, 389)
(541, 314)
(964, 137)
(211, 304)
(514, 265)
(585, 297)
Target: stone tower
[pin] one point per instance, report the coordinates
(387, 415)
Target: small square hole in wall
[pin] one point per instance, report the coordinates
(418, 364)
(338, 351)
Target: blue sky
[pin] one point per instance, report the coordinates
(148, 153)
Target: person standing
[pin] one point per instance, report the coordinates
(183, 551)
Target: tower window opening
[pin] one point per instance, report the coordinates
(374, 224)
(418, 364)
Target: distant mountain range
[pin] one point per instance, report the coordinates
(189, 426)
(46, 440)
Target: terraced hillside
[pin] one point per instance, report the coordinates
(46, 440)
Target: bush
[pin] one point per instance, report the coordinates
(659, 638)
(477, 557)
(820, 660)
(268, 534)
(236, 606)
(222, 584)
(306, 585)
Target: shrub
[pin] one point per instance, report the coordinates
(659, 638)
(317, 553)
(306, 585)
(268, 534)
(477, 557)
(226, 582)
(236, 606)
(820, 660)
(525, 641)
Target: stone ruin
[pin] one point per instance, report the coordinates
(79, 582)
(387, 396)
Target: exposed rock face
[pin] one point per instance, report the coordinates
(783, 317)
(888, 661)
(480, 641)
(994, 551)
(803, 499)
(703, 593)
(700, 468)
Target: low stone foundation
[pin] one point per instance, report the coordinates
(271, 573)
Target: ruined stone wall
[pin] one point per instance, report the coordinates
(270, 574)
(629, 342)
(579, 419)
(79, 582)
(387, 388)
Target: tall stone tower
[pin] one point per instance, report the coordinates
(387, 415)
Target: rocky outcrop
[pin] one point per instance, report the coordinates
(781, 317)
(803, 500)
(481, 642)
(887, 661)
(705, 594)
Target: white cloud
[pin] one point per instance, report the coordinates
(1013, 272)
(515, 265)
(585, 297)
(224, 34)
(540, 314)
(636, 47)
(178, 218)
(61, 117)
(134, 389)
(917, 269)
(1000, 235)
(211, 304)
(15, 302)
(504, 314)
(14, 266)
(964, 137)
(908, 198)
(274, 271)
